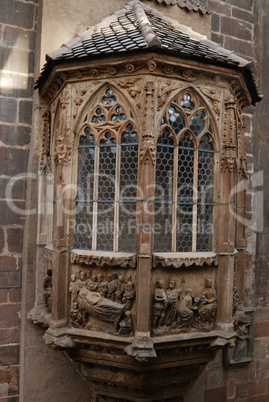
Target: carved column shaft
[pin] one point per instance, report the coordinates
(147, 168)
(227, 213)
(60, 261)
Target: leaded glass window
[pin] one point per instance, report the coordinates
(107, 178)
(184, 178)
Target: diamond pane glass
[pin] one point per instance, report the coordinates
(204, 227)
(185, 170)
(127, 226)
(184, 228)
(164, 193)
(129, 164)
(86, 155)
(107, 170)
(197, 123)
(164, 168)
(105, 226)
(205, 172)
(176, 120)
(83, 236)
(163, 227)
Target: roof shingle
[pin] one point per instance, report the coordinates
(192, 5)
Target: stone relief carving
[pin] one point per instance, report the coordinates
(108, 299)
(176, 310)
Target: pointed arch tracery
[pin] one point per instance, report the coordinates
(107, 175)
(185, 176)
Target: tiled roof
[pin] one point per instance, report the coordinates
(192, 5)
(139, 27)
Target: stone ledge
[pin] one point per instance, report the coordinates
(178, 260)
(103, 258)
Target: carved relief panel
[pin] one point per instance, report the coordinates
(103, 301)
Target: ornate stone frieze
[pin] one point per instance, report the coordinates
(107, 299)
(177, 260)
(103, 259)
(177, 310)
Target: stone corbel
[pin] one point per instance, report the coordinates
(141, 349)
(57, 339)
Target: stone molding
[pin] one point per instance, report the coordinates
(103, 258)
(178, 260)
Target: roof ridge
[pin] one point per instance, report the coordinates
(145, 25)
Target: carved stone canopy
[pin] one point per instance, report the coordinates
(141, 125)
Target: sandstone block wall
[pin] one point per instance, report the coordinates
(17, 48)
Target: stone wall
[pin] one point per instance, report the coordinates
(17, 47)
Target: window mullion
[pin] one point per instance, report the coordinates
(195, 197)
(95, 198)
(174, 202)
(117, 197)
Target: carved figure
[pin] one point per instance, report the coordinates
(159, 306)
(120, 288)
(242, 339)
(111, 285)
(101, 286)
(173, 295)
(208, 305)
(186, 309)
(92, 283)
(129, 295)
(81, 281)
(75, 316)
(126, 324)
(47, 290)
(94, 304)
(73, 288)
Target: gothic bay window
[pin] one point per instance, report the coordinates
(184, 178)
(107, 178)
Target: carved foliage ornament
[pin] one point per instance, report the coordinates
(148, 148)
(63, 150)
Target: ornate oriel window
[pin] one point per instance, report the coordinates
(138, 264)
